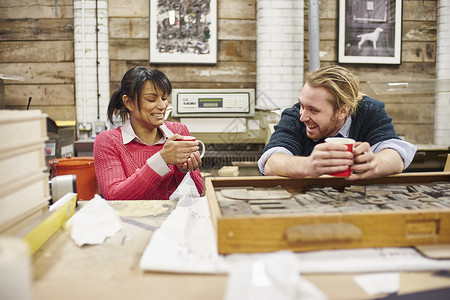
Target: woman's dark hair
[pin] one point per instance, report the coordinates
(131, 85)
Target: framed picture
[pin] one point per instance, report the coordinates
(370, 31)
(183, 31)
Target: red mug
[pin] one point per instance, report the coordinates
(193, 139)
(350, 143)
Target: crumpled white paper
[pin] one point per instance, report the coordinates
(94, 222)
(186, 190)
(185, 242)
(268, 276)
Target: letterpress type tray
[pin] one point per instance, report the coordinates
(264, 213)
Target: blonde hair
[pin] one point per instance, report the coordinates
(340, 83)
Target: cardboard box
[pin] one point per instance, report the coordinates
(246, 232)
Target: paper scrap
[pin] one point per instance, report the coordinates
(268, 276)
(94, 222)
(185, 242)
(368, 260)
(378, 283)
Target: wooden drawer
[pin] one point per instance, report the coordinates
(260, 214)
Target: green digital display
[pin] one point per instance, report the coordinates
(210, 102)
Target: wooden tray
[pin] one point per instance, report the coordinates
(250, 232)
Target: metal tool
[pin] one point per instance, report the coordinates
(139, 224)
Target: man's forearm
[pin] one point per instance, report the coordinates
(280, 164)
(389, 162)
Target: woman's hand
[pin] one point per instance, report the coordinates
(183, 154)
(192, 163)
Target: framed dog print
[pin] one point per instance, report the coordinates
(183, 31)
(370, 31)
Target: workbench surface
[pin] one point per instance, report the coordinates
(62, 270)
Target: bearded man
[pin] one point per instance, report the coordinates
(330, 104)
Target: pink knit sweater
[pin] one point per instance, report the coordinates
(123, 173)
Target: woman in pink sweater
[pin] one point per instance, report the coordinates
(142, 159)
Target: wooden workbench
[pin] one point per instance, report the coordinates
(110, 271)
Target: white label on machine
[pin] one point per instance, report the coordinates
(215, 124)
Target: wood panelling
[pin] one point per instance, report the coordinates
(399, 73)
(46, 94)
(125, 28)
(41, 73)
(232, 72)
(327, 9)
(419, 112)
(419, 31)
(236, 9)
(128, 49)
(65, 112)
(36, 29)
(37, 51)
(419, 52)
(128, 8)
(418, 134)
(39, 9)
(420, 10)
(36, 43)
(411, 51)
(237, 30)
(237, 51)
(137, 49)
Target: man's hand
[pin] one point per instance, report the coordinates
(325, 158)
(365, 165)
(370, 165)
(328, 158)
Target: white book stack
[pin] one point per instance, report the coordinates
(24, 182)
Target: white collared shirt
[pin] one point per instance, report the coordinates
(156, 162)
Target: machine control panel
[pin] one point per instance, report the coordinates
(213, 102)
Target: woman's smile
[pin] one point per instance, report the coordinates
(158, 116)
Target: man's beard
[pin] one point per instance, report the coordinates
(327, 130)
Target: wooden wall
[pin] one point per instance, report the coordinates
(236, 67)
(36, 43)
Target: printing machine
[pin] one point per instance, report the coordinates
(226, 120)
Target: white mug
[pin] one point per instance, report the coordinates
(193, 139)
